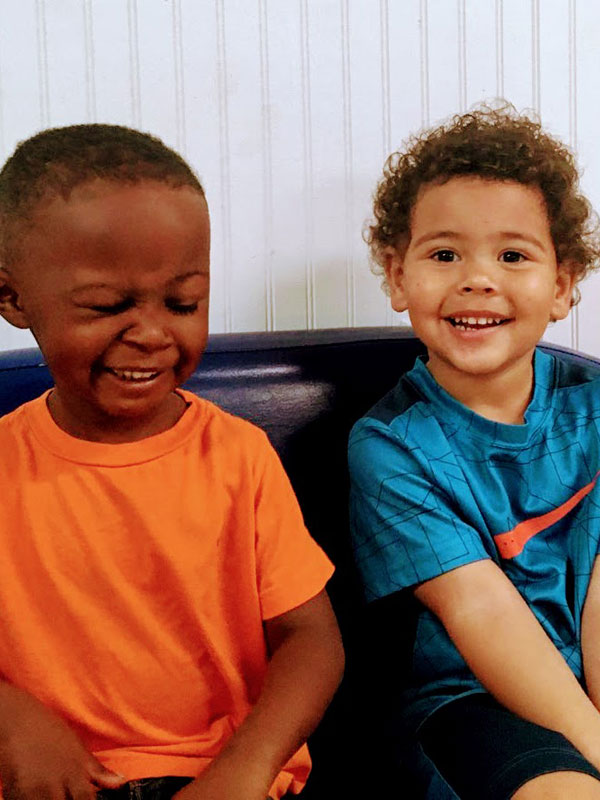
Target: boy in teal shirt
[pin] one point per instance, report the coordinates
(474, 480)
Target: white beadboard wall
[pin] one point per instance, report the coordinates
(287, 109)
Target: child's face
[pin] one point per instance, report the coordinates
(114, 284)
(479, 278)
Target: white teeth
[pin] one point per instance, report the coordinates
(133, 375)
(463, 322)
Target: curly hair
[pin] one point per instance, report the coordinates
(55, 161)
(495, 144)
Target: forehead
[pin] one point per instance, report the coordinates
(101, 218)
(479, 200)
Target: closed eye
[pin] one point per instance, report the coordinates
(182, 308)
(115, 308)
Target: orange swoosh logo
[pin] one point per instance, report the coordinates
(511, 543)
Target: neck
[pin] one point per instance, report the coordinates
(502, 397)
(96, 426)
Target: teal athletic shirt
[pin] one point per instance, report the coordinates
(435, 486)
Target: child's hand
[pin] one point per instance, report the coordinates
(225, 784)
(41, 757)
(304, 671)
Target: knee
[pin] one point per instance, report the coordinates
(558, 785)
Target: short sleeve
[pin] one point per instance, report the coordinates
(409, 509)
(291, 567)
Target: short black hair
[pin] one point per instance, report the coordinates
(56, 160)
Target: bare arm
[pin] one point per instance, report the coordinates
(40, 756)
(509, 652)
(590, 636)
(304, 671)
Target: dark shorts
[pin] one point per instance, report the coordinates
(483, 750)
(146, 789)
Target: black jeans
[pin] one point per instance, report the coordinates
(146, 789)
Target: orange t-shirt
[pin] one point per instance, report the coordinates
(135, 578)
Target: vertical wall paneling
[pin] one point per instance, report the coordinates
(42, 60)
(407, 53)
(134, 64)
(63, 40)
(441, 68)
(20, 68)
(20, 88)
(517, 62)
(409, 80)
(499, 48)
(330, 201)
(386, 102)
(424, 60)
(156, 63)
(376, 52)
(225, 180)
(557, 87)
(200, 63)
(307, 152)
(249, 135)
(481, 51)
(287, 110)
(535, 55)
(324, 168)
(462, 55)
(348, 162)
(2, 78)
(585, 19)
(90, 71)
(572, 28)
(179, 84)
(113, 76)
(286, 148)
(267, 170)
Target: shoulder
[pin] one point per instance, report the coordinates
(19, 449)
(231, 426)
(229, 439)
(16, 422)
(572, 370)
(573, 387)
(398, 433)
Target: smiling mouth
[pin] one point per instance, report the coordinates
(133, 376)
(476, 323)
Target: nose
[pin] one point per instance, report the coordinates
(148, 330)
(478, 277)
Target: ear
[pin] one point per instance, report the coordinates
(10, 304)
(393, 265)
(563, 293)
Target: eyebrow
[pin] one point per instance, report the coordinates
(90, 287)
(524, 237)
(427, 237)
(190, 274)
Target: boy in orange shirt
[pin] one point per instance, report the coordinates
(164, 618)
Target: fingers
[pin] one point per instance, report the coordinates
(79, 790)
(71, 790)
(102, 777)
